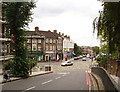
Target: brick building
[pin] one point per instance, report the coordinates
(87, 50)
(4, 40)
(43, 45)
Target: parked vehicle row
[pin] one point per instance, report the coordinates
(80, 57)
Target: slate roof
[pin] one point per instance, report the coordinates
(47, 34)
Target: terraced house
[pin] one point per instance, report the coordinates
(44, 45)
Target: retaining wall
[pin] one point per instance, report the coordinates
(108, 82)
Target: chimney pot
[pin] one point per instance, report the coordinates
(36, 29)
(55, 31)
(59, 33)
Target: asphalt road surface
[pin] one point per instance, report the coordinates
(63, 78)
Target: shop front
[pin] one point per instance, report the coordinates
(39, 56)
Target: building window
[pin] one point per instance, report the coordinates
(54, 48)
(50, 40)
(28, 40)
(51, 47)
(54, 41)
(39, 40)
(34, 41)
(29, 47)
(47, 40)
(46, 47)
(34, 48)
(39, 47)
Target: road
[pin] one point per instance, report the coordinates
(63, 78)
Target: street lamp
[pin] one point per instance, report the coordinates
(49, 59)
(31, 46)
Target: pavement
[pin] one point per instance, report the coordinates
(35, 72)
(116, 79)
(38, 70)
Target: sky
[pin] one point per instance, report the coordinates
(71, 17)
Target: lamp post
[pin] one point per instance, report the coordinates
(31, 46)
(49, 59)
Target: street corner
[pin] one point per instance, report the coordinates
(40, 73)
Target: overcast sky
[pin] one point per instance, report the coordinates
(71, 17)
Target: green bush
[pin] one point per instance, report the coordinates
(14, 66)
(102, 59)
(32, 63)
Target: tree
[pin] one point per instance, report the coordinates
(17, 16)
(77, 50)
(95, 49)
(108, 27)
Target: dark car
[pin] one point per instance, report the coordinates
(76, 58)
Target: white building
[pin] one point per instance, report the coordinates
(68, 46)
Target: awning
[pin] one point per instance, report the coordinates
(34, 53)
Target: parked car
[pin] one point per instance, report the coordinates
(66, 63)
(80, 56)
(84, 55)
(83, 59)
(76, 58)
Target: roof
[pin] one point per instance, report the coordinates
(29, 33)
(47, 34)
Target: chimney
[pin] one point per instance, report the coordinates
(65, 36)
(36, 29)
(59, 33)
(55, 31)
(68, 37)
(62, 34)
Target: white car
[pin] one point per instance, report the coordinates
(83, 59)
(66, 63)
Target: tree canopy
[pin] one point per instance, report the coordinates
(95, 49)
(77, 49)
(108, 25)
(17, 16)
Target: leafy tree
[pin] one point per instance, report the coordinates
(108, 27)
(77, 49)
(17, 16)
(96, 49)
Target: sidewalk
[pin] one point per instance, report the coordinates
(117, 81)
(35, 72)
(114, 79)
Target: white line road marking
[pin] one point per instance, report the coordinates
(58, 78)
(29, 89)
(46, 82)
(63, 75)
